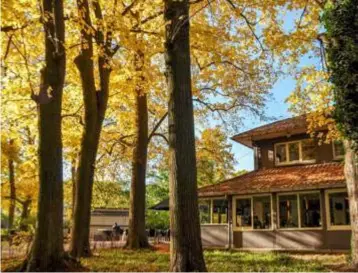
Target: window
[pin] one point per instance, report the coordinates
(308, 149)
(243, 212)
(262, 212)
(310, 209)
(338, 209)
(295, 152)
(205, 211)
(253, 212)
(301, 210)
(281, 153)
(219, 213)
(288, 211)
(338, 149)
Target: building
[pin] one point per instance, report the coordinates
(102, 219)
(295, 199)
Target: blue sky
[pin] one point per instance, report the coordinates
(276, 108)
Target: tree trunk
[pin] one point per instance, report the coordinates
(95, 104)
(186, 249)
(137, 237)
(47, 251)
(73, 180)
(80, 246)
(12, 193)
(351, 175)
(25, 212)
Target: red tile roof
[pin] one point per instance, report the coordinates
(304, 177)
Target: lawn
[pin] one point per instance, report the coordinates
(216, 261)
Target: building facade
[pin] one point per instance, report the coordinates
(294, 199)
(104, 219)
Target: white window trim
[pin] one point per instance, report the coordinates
(287, 162)
(298, 210)
(211, 210)
(328, 218)
(336, 157)
(251, 197)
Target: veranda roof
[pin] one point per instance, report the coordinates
(290, 178)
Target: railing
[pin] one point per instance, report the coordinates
(10, 250)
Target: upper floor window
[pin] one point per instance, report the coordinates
(295, 152)
(338, 149)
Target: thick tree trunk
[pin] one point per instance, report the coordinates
(186, 249)
(95, 103)
(351, 175)
(137, 237)
(80, 246)
(47, 249)
(12, 193)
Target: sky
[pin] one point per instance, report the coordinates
(276, 108)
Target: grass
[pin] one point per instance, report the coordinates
(216, 261)
(119, 260)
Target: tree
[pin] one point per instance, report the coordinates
(137, 236)
(186, 249)
(340, 20)
(157, 191)
(10, 149)
(47, 251)
(95, 105)
(215, 161)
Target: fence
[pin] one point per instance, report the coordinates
(11, 250)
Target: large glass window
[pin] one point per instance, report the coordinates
(281, 153)
(243, 212)
(253, 212)
(296, 151)
(310, 209)
(262, 212)
(288, 211)
(338, 149)
(339, 209)
(220, 210)
(205, 211)
(308, 149)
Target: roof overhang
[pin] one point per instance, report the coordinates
(249, 138)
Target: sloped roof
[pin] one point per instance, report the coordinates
(163, 205)
(289, 126)
(110, 212)
(304, 177)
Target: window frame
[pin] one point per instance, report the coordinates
(287, 162)
(211, 199)
(251, 197)
(298, 210)
(328, 212)
(337, 157)
(211, 209)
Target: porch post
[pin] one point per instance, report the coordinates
(229, 222)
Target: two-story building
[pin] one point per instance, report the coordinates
(295, 198)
